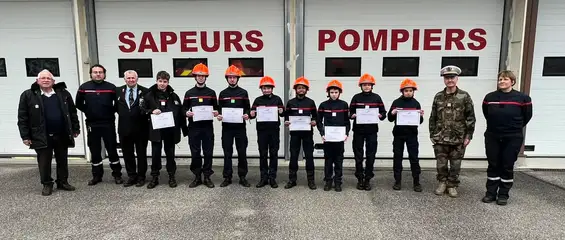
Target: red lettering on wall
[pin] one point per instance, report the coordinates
(342, 37)
(415, 39)
(192, 41)
(369, 39)
(215, 41)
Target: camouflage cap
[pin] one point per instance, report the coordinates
(450, 70)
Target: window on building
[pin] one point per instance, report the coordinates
(401, 66)
(143, 67)
(553, 67)
(251, 67)
(3, 72)
(183, 66)
(36, 65)
(469, 65)
(343, 67)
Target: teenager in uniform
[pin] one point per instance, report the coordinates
(406, 135)
(452, 124)
(48, 123)
(97, 100)
(507, 112)
(268, 132)
(133, 129)
(234, 97)
(200, 132)
(161, 98)
(301, 105)
(333, 112)
(365, 134)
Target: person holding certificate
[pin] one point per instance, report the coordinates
(267, 110)
(507, 112)
(406, 133)
(366, 109)
(300, 116)
(161, 100)
(451, 127)
(201, 106)
(234, 110)
(334, 125)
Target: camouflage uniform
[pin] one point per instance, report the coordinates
(452, 120)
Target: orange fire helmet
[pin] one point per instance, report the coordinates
(301, 81)
(334, 84)
(233, 71)
(266, 81)
(367, 78)
(408, 83)
(200, 69)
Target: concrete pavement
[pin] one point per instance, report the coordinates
(109, 211)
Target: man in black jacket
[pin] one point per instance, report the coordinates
(301, 107)
(133, 129)
(97, 99)
(237, 99)
(48, 123)
(365, 133)
(507, 112)
(200, 105)
(161, 98)
(268, 131)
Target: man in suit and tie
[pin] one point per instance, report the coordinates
(133, 128)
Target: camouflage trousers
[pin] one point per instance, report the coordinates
(452, 154)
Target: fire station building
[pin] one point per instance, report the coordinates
(285, 39)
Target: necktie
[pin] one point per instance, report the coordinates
(131, 97)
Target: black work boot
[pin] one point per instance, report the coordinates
(118, 180)
(244, 182)
(262, 183)
(338, 187)
(172, 181)
(226, 182)
(273, 183)
(367, 185)
(95, 180)
(502, 201)
(130, 182)
(328, 186)
(196, 182)
(140, 182)
(208, 183)
(417, 185)
(488, 198)
(290, 184)
(47, 189)
(312, 184)
(64, 185)
(153, 183)
(360, 184)
(397, 186)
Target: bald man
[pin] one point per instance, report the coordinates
(48, 123)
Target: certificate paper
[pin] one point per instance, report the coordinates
(163, 120)
(367, 115)
(267, 114)
(232, 115)
(202, 113)
(408, 117)
(334, 134)
(299, 123)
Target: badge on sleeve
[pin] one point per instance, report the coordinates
(163, 103)
(300, 111)
(232, 100)
(36, 106)
(366, 106)
(334, 114)
(200, 100)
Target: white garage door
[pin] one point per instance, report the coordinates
(34, 35)
(150, 36)
(396, 39)
(546, 131)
